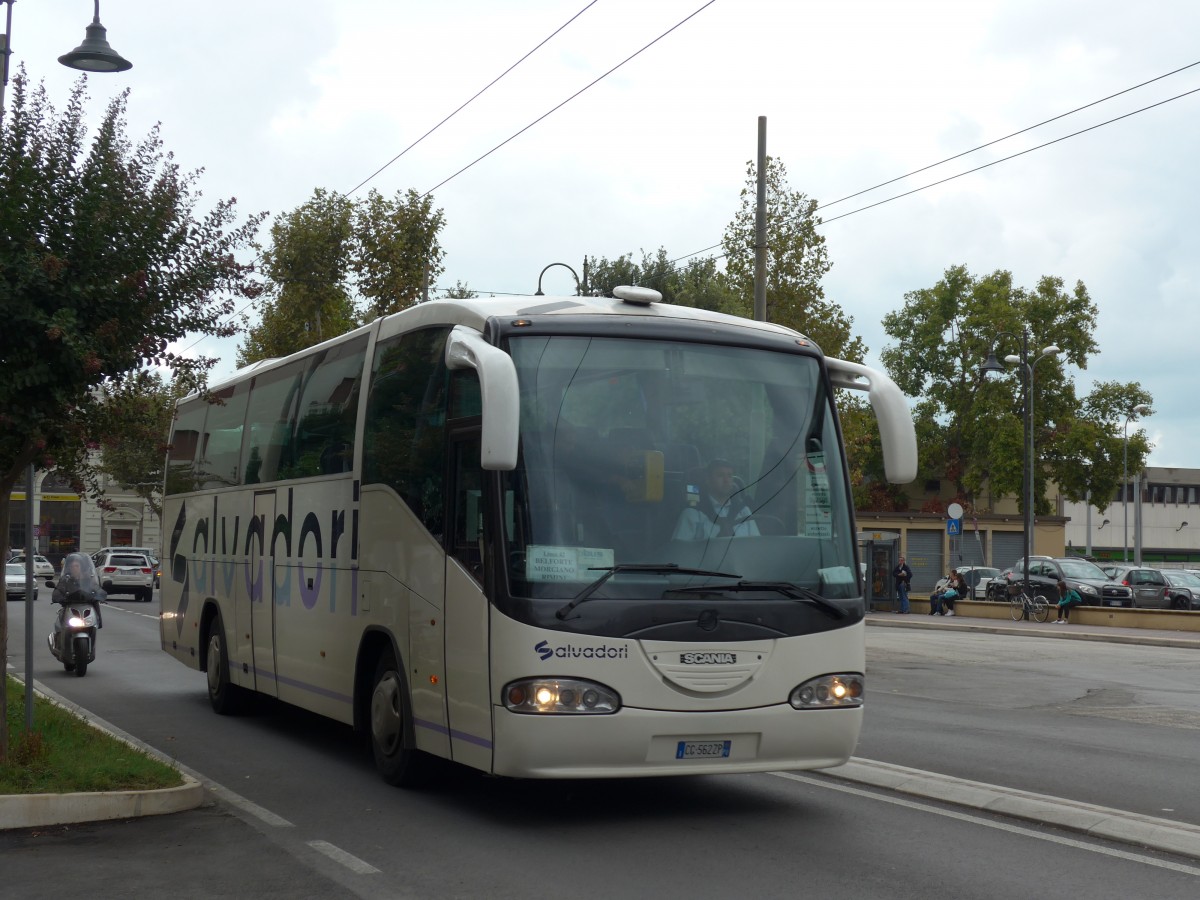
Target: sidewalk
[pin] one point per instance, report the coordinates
(1107, 633)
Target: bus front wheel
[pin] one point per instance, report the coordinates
(225, 697)
(399, 764)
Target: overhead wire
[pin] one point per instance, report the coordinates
(518, 133)
(981, 147)
(555, 109)
(1007, 136)
(475, 97)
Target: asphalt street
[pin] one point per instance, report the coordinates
(206, 851)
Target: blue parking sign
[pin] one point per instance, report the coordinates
(954, 527)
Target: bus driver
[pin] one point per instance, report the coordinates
(717, 514)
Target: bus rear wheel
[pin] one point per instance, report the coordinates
(398, 764)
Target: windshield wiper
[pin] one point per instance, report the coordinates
(789, 590)
(610, 571)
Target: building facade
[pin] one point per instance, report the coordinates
(65, 521)
(1156, 520)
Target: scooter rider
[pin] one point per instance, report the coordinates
(78, 584)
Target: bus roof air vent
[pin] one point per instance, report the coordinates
(637, 295)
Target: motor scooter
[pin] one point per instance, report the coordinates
(73, 640)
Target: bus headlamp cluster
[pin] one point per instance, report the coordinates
(830, 692)
(560, 695)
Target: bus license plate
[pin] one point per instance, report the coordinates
(702, 749)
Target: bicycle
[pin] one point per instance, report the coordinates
(1022, 605)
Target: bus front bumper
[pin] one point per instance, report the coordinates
(638, 742)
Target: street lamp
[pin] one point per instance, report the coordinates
(1140, 410)
(94, 54)
(578, 287)
(1027, 369)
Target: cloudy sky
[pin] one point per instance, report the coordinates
(273, 99)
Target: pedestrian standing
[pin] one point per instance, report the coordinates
(903, 575)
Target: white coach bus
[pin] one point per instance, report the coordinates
(541, 537)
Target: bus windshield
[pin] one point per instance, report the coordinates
(678, 464)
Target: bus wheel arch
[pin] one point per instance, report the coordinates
(384, 712)
(225, 697)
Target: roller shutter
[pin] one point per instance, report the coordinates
(1007, 548)
(924, 556)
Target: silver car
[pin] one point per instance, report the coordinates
(42, 567)
(126, 573)
(14, 582)
(1184, 589)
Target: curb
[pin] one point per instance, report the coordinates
(1072, 634)
(39, 810)
(1166, 835)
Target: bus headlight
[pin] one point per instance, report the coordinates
(829, 692)
(560, 695)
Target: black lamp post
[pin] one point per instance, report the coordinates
(1027, 369)
(578, 286)
(94, 54)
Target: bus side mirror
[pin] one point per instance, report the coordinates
(466, 349)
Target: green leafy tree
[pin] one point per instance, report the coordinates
(134, 424)
(103, 264)
(460, 291)
(334, 263)
(970, 428)
(308, 268)
(398, 254)
(797, 261)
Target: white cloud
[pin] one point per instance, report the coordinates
(277, 98)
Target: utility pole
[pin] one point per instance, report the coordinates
(760, 227)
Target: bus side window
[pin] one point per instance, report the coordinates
(266, 455)
(404, 438)
(185, 439)
(221, 441)
(324, 443)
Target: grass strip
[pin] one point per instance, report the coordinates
(64, 753)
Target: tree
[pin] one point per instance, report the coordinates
(334, 263)
(134, 420)
(797, 261)
(308, 265)
(970, 428)
(398, 253)
(103, 264)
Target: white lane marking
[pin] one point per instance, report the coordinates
(349, 860)
(130, 612)
(237, 800)
(987, 823)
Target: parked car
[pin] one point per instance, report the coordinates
(145, 551)
(126, 573)
(1086, 577)
(1184, 589)
(1149, 586)
(997, 588)
(42, 567)
(976, 577)
(14, 582)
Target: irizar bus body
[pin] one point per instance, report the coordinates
(458, 529)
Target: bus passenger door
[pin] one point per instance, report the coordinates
(261, 576)
(468, 685)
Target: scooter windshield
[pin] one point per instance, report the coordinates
(79, 574)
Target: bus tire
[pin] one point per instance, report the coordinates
(225, 697)
(398, 763)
